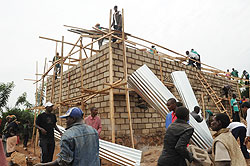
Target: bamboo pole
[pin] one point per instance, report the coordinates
(160, 69)
(203, 105)
(111, 94)
(238, 90)
(81, 67)
(53, 79)
(40, 100)
(61, 79)
(126, 79)
(91, 48)
(34, 123)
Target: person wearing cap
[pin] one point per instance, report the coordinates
(93, 120)
(79, 144)
(46, 123)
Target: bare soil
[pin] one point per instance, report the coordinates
(149, 157)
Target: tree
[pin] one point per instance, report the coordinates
(5, 90)
(22, 100)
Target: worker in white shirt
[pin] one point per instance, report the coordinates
(239, 131)
(191, 56)
(246, 110)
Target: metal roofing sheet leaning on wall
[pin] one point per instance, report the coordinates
(187, 95)
(117, 154)
(154, 92)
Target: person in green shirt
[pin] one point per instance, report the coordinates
(235, 109)
(234, 73)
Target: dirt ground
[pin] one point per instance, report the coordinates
(149, 157)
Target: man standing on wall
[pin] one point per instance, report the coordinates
(117, 19)
(94, 120)
(46, 123)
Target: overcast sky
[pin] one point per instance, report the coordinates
(219, 30)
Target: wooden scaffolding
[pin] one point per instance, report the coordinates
(86, 94)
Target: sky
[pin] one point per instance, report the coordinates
(217, 30)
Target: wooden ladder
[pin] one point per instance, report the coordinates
(211, 93)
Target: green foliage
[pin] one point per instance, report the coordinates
(22, 116)
(5, 90)
(22, 100)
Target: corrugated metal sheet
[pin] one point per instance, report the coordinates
(187, 95)
(117, 154)
(154, 92)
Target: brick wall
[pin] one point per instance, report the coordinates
(148, 125)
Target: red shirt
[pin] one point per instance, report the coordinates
(95, 122)
(173, 117)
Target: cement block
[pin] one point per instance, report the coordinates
(200, 154)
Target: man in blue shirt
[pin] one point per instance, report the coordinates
(79, 144)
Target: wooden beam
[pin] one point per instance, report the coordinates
(61, 79)
(111, 93)
(125, 68)
(203, 105)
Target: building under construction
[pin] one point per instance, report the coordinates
(98, 77)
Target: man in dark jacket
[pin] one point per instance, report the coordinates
(117, 19)
(176, 139)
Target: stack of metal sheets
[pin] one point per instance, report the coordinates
(154, 92)
(117, 154)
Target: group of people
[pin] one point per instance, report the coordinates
(225, 149)
(194, 59)
(235, 73)
(83, 133)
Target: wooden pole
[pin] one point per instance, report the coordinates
(53, 79)
(126, 79)
(111, 92)
(203, 105)
(34, 128)
(81, 67)
(40, 100)
(238, 90)
(61, 79)
(91, 48)
(160, 69)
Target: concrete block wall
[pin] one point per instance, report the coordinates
(148, 125)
